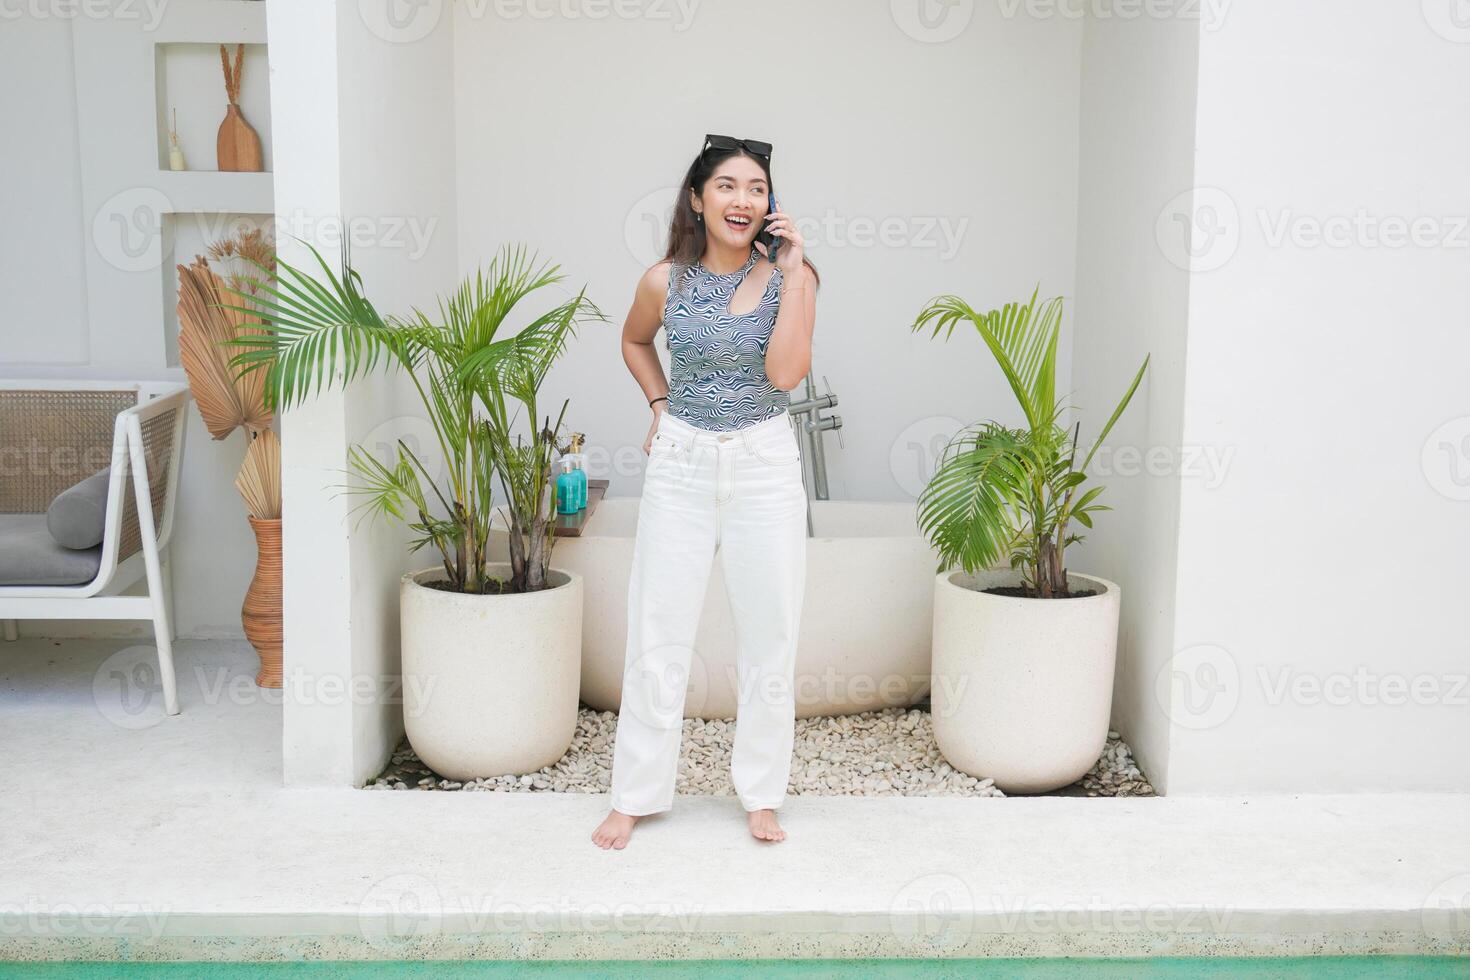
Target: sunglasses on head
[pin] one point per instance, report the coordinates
(757, 147)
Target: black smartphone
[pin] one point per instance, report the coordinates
(769, 240)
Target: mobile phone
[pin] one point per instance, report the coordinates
(768, 239)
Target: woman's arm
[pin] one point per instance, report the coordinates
(789, 353)
(639, 330)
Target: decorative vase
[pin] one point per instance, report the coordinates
(261, 614)
(237, 147)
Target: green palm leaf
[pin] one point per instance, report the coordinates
(1009, 494)
(967, 509)
(320, 330)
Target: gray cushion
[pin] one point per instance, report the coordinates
(29, 555)
(78, 514)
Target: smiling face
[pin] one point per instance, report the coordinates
(734, 201)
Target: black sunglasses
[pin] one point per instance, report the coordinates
(730, 143)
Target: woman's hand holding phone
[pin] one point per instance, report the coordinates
(785, 240)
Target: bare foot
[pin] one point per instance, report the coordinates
(614, 831)
(763, 825)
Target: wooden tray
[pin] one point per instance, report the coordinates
(570, 525)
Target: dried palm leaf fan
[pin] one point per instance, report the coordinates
(259, 480)
(224, 400)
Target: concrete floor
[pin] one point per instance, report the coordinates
(131, 835)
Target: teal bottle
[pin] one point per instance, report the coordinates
(579, 472)
(566, 489)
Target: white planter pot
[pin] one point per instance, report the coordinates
(490, 682)
(1022, 688)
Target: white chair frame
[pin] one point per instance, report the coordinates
(100, 598)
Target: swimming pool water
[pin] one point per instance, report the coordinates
(1294, 968)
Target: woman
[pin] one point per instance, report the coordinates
(724, 477)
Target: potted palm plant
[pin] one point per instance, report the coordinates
(1024, 650)
(491, 650)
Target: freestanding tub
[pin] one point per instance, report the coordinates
(866, 626)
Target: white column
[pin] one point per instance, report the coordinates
(362, 109)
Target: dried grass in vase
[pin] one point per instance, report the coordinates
(242, 257)
(232, 78)
(259, 479)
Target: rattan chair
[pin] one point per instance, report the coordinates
(54, 434)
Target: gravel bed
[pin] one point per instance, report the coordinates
(890, 752)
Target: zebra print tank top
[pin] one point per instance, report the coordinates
(717, 359)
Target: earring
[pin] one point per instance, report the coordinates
(698, 216)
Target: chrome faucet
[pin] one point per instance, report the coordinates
(810, 426)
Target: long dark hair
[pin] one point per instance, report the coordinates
(686, 233)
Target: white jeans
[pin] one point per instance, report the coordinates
(738, 494)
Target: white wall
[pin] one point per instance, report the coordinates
(41, 241)
(86, 250)
(1335, 373)
(1306, 400)
(1137, 152)
(918, 163)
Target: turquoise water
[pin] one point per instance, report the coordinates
(1336, 967)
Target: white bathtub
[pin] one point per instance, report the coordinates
(866, 626)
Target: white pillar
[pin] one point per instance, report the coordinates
(362, 116)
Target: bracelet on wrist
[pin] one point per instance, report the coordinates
(660, 398)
